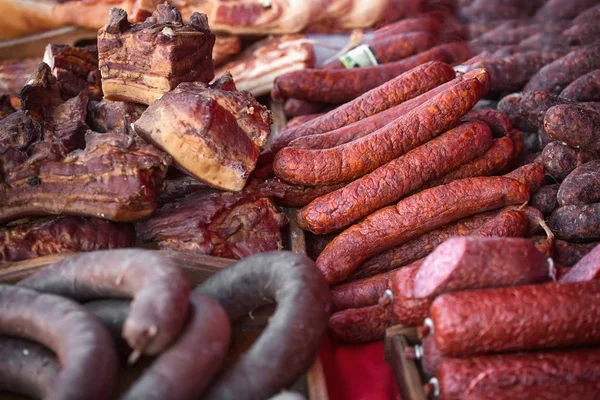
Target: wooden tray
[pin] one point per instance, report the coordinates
(408, 373)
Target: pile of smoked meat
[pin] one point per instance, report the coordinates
(450, 185)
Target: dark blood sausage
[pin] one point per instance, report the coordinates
(157, 285)
(288, 195)
(82, 346)
(392, 181)
(587, 269)
(582, 186)
(540, 370)
(393, 48)
(574, 125)
(404, 87)
(582, 34)
(498, 121)
(516, 318)
(424, 23)
(560, 160)
(512, 72)
(413, 216)
(360, 293)
(577, 223)
(297, 108)
(545, 199)
(585, 88)
(188, 366)
(556, 10)
(555, 76)
(532, 107)
(316, 243)
(366, 126)
(290, 342)
(27, 368)
(112, 313)
(339, 86)
(566, 253)
(548, 391)
(492, 162)
(362, 325)
(479, 262)
(408, 310)
(355, 159)
(531, 175)
(419, 247)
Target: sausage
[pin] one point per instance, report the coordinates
(575, 125)
(27, 368)
(82, 346)
(515, 318)
(492, 373)
(188, 366)
(577, 223)
(408, 310)
(531, 175)
(512, 72)
(508, 223)
(545, 199)
(160, 304)
(584, 88)
(299, 120)
(498, 121)
(508, 33)
(362, 325)
(587, 269)
(423, 23)
(582, 186)
(419, 247)
(467, 263)
(366, 126)
(518, 137)
(582, 34)
(510, 105)
(551, 391)
(413, 216)
(352, 160)
(290, 342)
(566, 253)
(296, 108)
(589, 15)
(555, 76)
(431, 358)
(112, 313)
(404, 87)
(532, 107)
(336, 86)
(316, 243)
(361, 293)
(390, 182)
(556, 10)
(288, 195)
(560, 160)
(492, 162)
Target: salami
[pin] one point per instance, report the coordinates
(575, 125)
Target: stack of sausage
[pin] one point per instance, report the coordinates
(528, 341)
(76, 309)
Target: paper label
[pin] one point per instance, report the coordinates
(359, 57)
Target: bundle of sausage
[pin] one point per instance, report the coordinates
(187, 332)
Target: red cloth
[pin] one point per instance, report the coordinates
(357, 372)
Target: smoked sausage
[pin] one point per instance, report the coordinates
(576, 223)
(582, 186)
(587, 269)
(584, 88)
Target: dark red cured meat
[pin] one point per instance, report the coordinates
(582, 186)
(361, 325)
(577, 223)
(339, 86)
(419, 247)
(413, 216)
(366, 126)
(567, 253)
(498, 121)
(407, 309)
(476, 263)
(392, 181)
(288, 195)
(587, 269)
(409, 84)
(472, 322)
(545, 199)
(556, 10)
(555, 76)
(536, 370)
(360, 293)
(531, 175)
(560, 160)
(352, 160)
(575, 125)
(584, 88)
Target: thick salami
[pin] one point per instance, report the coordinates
(413, 216)
(404, 87)
(353, 160)
(516, 318)
(392, 181)
(336, 86)
(587, 269)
